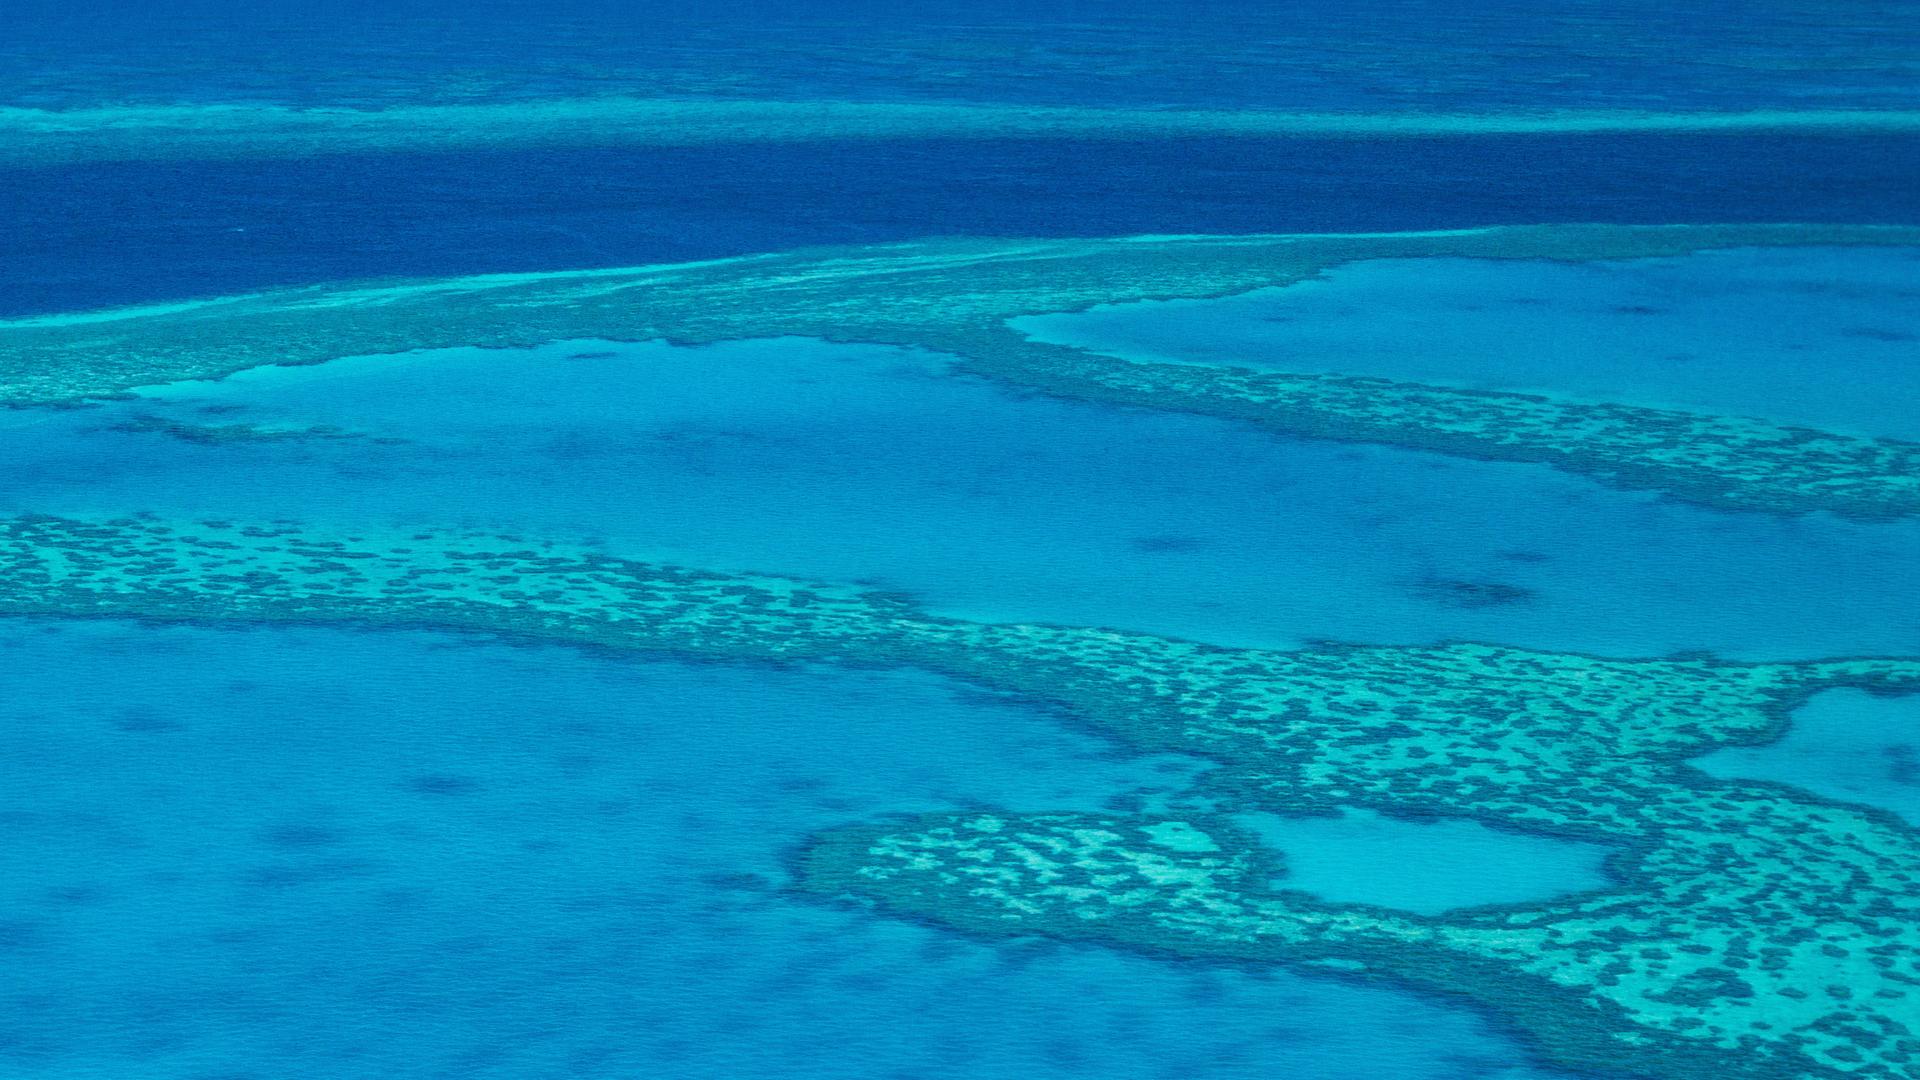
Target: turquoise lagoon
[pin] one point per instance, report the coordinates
(1823, 337)
(1428, 866)
(880, 465)
(1844, 745)
(356, 854)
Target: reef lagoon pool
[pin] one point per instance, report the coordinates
(1427, 867)
(1845, 745)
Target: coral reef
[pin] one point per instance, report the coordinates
(1752, 929)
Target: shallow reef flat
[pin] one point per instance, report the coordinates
(956, 297)
(31, 136)
(1750, 929)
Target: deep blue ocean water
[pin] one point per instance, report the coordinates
(104, 234)
(332, 853)
(1369, 54)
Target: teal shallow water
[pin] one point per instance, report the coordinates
(416, 855)
(531, 834)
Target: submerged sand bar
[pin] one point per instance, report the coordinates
(149, 132)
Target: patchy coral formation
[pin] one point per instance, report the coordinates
(1752, 929)
(222, 434)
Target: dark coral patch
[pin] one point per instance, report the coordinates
(443, 784)
(1457, 593)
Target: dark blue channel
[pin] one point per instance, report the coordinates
(102, 234)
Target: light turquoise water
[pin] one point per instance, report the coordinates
(416, 855)
(1828, 338)
(1428, 866)
(1846, 745)
(881, 466)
